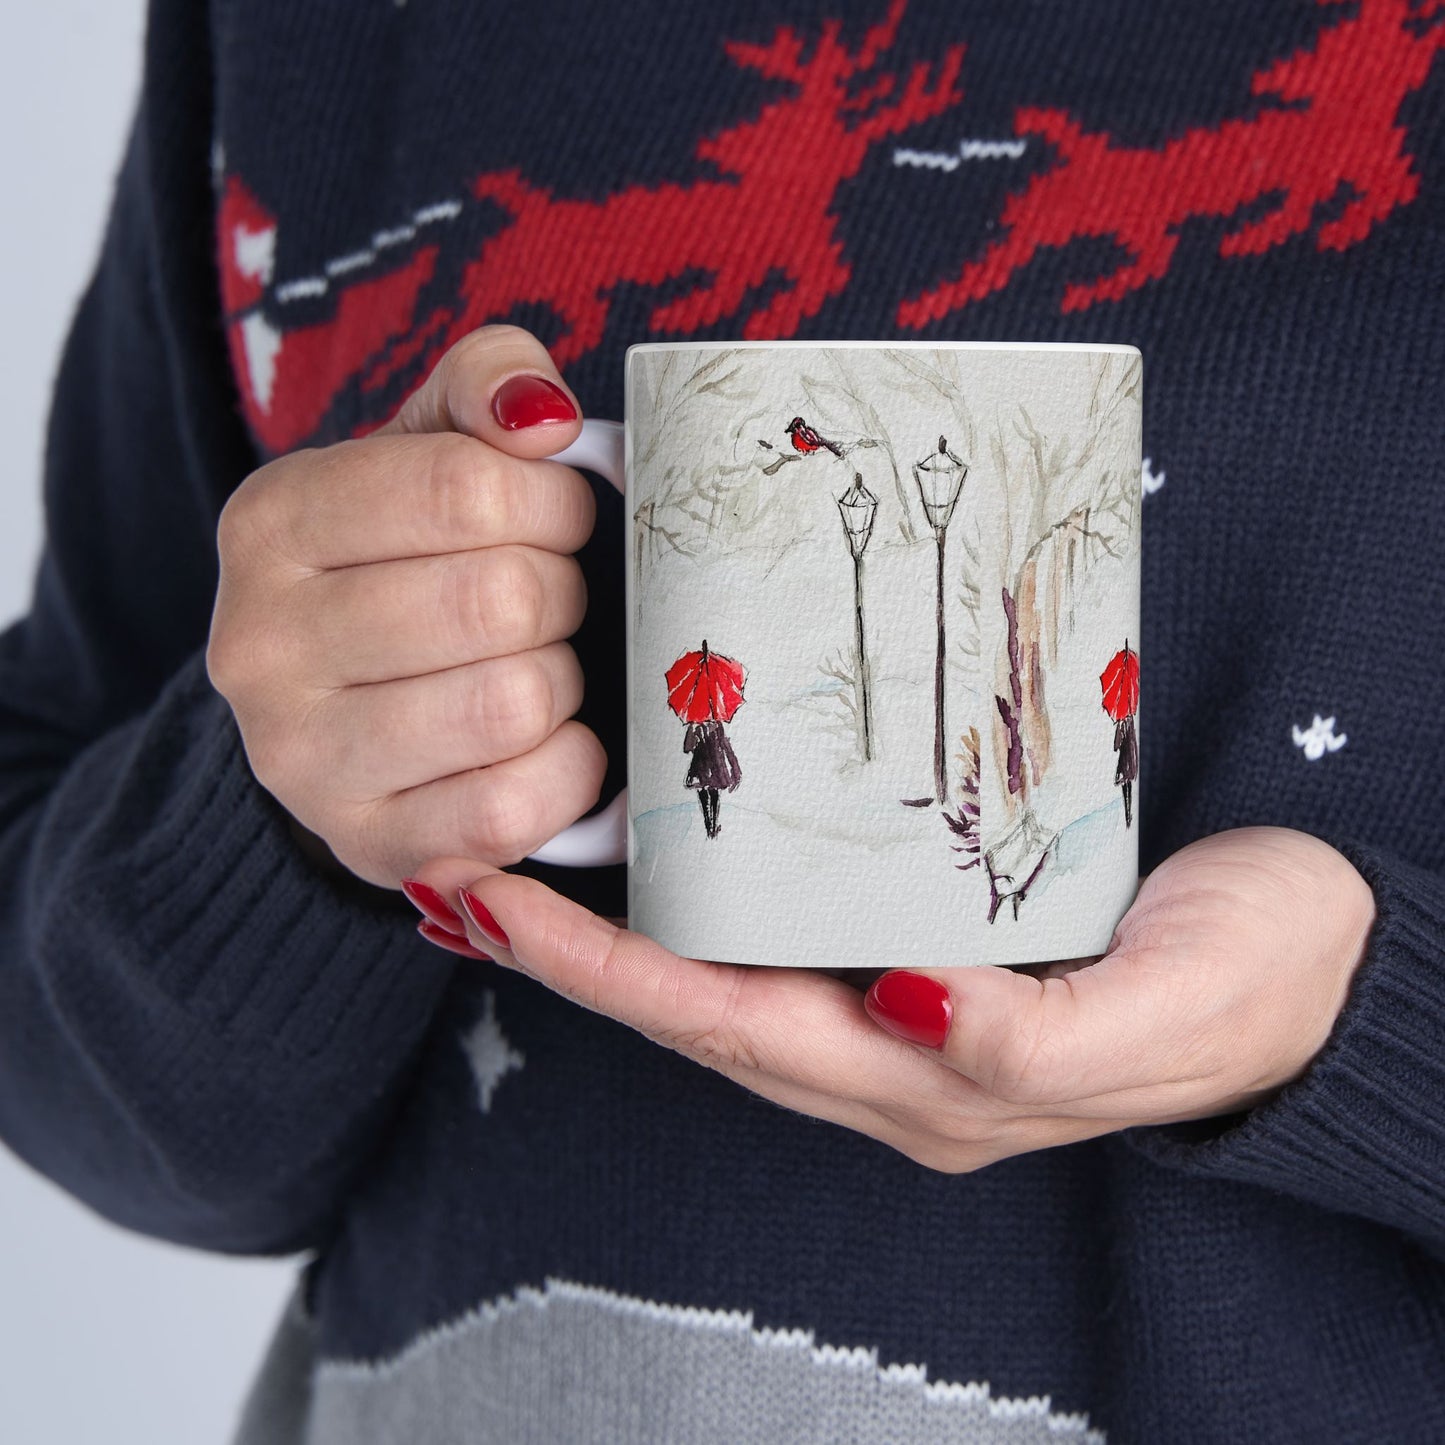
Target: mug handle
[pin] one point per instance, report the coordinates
(602, 838)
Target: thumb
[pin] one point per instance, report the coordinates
(1028, 1040)
(499, 385)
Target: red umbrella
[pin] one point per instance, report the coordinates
(1120, 681)
(703, 685)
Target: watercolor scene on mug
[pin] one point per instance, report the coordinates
(884, 651)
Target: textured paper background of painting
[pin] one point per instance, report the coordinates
(818, 862)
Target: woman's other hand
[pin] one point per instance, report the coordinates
(1221, 984)
(391, 621)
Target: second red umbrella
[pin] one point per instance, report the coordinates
(1120, 681)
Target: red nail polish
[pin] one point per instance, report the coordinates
(523, 401)
(425, 898)
(450, 941)
(481, 915)
(913, 1007)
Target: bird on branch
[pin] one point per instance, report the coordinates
(807, 441)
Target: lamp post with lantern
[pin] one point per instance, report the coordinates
(858, 507)
(940, 477)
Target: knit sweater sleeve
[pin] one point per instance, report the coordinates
(200, 1035)
(1362, 1132)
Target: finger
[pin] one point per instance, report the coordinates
(1044, 1042)
(791, 1025)
(500, 386)
(449, 942)
(497, 814)
(393, 736)
(407, 618)
(433, 906)
(405, 496)
(448, 878)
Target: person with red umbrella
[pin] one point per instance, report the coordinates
(1120, 681)
(705, 689)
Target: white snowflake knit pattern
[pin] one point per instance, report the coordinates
(1319, 738)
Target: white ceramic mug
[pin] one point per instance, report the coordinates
(883, 622)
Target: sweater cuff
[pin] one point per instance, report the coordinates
(197, 893)
(1363, 1130)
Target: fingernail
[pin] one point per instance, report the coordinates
(449, 941)
(481, 915)
(912, 1007)
(523, 401)
(425, 898)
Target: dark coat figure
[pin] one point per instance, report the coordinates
(1126, 744)
(714, 768)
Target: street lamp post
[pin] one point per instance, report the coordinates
(940, 480)
(858, 507)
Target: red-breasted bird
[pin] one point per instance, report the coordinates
(806, 440)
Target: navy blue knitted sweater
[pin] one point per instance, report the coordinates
(528, 1223)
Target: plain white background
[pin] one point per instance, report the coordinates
(104, 1337)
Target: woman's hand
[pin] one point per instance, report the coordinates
(1221, 984)
(390, 623)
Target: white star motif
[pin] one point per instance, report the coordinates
(488, 1052)
(1319, 738)
(1151, 480)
